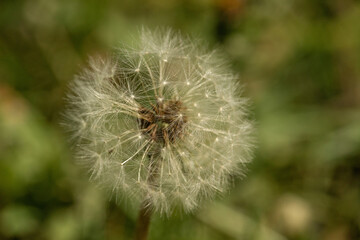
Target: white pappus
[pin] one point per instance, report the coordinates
(160, 122)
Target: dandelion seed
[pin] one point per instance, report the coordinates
(148, 123)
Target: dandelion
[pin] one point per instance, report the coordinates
(160, 123)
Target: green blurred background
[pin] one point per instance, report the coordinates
(299, 61)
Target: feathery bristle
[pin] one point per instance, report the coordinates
(160, 121)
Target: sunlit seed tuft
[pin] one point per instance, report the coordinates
(160, 122)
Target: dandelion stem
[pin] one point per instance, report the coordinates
(143, 222)
(145, 212)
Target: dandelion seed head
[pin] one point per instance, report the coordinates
(160, 122)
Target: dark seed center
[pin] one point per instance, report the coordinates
(165, 122)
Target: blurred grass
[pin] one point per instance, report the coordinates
(299, 61)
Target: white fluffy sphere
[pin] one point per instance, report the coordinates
(160, 122)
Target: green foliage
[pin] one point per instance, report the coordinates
(299, 61)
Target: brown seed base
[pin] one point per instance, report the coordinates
(165, 122)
